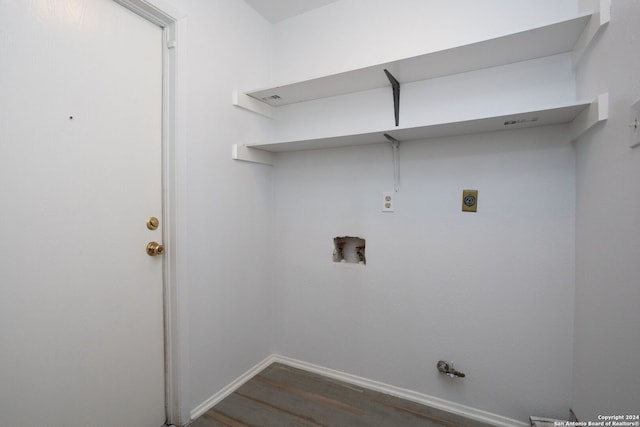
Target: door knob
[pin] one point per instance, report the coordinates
(155, 249)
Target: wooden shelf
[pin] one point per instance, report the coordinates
(546, 40)
(580, 116)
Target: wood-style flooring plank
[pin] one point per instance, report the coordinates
(318, 409)
(252, 412)
(359, 400)
(282, 396)
(215, 419)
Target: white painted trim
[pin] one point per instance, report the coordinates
(242, 100)
(605, 11)
(253, 155)
(164, 16)
(596, 112)
(598, 20)
(434, 402)
(230, 388)
(151, 10)
(172, 172)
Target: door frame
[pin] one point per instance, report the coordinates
(167, 18)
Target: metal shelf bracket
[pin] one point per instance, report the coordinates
(395, 84)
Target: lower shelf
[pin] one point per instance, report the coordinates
(580, 116)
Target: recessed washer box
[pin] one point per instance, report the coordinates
(348, 249)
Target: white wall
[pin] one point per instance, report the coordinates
(606, 378)
(223, 287)
(492, 291)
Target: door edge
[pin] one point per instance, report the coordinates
(168, 18)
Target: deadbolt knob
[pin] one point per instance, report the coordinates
(153, 223)
(155, 249)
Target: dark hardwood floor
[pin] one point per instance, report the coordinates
(282, 396)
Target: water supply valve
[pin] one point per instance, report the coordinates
(448, 369)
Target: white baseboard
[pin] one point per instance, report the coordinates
(230, 388)
(434, 402)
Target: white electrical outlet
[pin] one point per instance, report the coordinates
(388, 201)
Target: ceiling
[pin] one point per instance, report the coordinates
(277, 10)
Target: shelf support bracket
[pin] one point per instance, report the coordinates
(395, 144)
(242, 100)
(395, 84)
(598, 20)
(253, 155)
(595, 113)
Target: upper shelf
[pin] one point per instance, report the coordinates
(537, 42)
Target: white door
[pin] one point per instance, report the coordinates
(81, 302)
